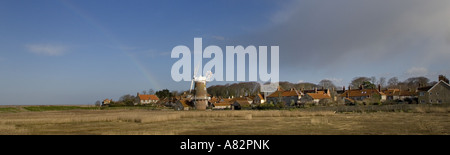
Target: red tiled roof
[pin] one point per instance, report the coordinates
(260, 96)
(361, 92)
(148, 97)
(241, 102)
(319, 95)
(283, 93)
(222, 104)
(184, 102)
(398, 92)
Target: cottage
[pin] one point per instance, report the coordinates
(289, 98)
(397, 94)
(239, 103)
(221, 104)
(147, 99)
(316, 96)
(436, 94)
(183, 104)
(361, 94)
(259, 99)
(106, 102)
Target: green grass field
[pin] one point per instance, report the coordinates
(366, 120)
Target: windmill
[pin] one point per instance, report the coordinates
(200, 95)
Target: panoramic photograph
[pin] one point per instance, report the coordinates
(224, 67)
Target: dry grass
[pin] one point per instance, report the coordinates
(432, 109)
(137, 122)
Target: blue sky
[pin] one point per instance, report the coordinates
(80, 51)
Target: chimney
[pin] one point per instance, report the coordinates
(137, 94)
(379, 87)
(343, 88)
(443, 78)
(349, 88)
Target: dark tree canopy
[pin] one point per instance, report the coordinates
(165, 93)
(358, 81)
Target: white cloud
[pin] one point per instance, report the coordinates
(417, 71)
(47, 49)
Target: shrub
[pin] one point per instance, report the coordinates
(265, 106)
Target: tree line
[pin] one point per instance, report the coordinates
(253, 88)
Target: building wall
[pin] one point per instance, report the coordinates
(287, 100)
(423, 97)
(439, 94)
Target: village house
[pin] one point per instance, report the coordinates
(222, 104)
(106, 102)
(212, 100)
(183, 104)
(239, 103)
(397, 94)
(361, 94)
(259, 99)
(147, 99)
(289, 97)
(436, 94)
(316, 96)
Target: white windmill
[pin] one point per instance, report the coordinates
(200, 95)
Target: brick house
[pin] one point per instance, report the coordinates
(436, 94)
(287, 97)
(361, 94)
(315, 97)
(397, 94)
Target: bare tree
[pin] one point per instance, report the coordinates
(393, 82)
(382, 81)
(328, 84)
(373, 79)
(98, 103)
(151, 92)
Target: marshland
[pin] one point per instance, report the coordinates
(340, 120)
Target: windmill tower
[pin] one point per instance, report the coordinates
(200, 95)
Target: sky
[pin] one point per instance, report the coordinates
(81, 51)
